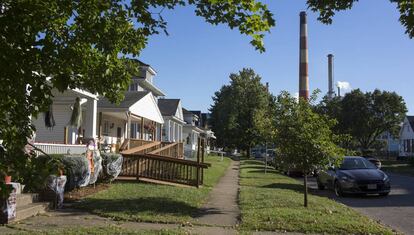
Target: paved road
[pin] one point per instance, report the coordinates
(395, 210)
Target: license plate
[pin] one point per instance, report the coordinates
(371, 186)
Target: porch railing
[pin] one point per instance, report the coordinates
(60, 148)
(161, 168)
(174, 150)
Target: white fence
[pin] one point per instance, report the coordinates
(60, 148)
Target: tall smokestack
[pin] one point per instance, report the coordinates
(303, 58)
(330, 77)
(339, 91)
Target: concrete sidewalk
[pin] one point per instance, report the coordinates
(221, 208)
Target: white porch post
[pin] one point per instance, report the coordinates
(128, 134)
(91, 118)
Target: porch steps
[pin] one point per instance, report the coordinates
(28, 205)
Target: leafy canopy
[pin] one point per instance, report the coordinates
(65, 44)
(241, 113)
(365, 116)
(304, 138)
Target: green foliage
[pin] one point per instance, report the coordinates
(304, 138)
(85, 44)
(365, 116)
(242, 111)
(37, 170)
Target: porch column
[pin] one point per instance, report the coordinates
(142, 128)
(99, 129)
(91, 118)
(128, 135)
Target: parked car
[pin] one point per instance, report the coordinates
(356, 175)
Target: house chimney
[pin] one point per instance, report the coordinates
(303, 58)
(330, 77)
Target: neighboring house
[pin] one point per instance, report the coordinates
(172, 113)
(392, 144)
(407, 137)
(191, 133)
(144, 81)
(137, 116)
(62, 138)
(196, 126)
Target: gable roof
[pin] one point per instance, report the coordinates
(185, 111)
(130, 99)
(168, 107)
(411, 121)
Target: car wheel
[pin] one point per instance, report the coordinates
(320, 185)
(384, 194)
(338, 190)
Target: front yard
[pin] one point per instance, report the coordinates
(133, 201)
(399, 167)
(273, 202)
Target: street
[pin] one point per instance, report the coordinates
(395, 210)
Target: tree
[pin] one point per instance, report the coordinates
(85, 44)
(240, 112)
(304, 139)
(365, 116)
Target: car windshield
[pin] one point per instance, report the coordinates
(356, 163)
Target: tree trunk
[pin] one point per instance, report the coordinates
(305, 184)
(248, 152)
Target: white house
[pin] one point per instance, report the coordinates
(191, 133)
(63, 138)
(136, 117)
(172, 112)
(407, 137)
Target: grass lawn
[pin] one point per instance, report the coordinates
(399, 167)
(274, 202)
(133, 201)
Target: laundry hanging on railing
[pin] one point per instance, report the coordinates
(76, 118)
(49, 119)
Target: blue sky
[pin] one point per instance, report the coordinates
(369, 44)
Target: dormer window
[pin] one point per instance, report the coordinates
(133, 87)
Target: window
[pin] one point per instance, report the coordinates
(134, 130)
(105, 128)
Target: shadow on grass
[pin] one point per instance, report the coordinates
(252, 167)
(294, 187)
(152, 205)
(251, 162)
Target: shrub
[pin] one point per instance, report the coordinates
(37, 169)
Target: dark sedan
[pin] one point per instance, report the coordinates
(356, 175)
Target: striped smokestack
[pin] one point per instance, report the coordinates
(331, 91)
(303, 58)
